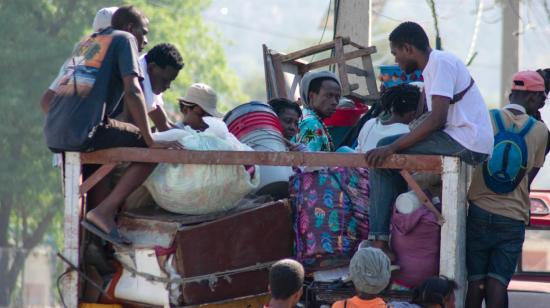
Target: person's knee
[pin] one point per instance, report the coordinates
(475, 293)
(476, 286)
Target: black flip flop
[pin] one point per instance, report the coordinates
(113, 236)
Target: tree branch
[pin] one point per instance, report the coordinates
(31, 240)
(6, 206)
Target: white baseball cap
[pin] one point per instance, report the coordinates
(103, 18)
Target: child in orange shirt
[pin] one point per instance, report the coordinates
(369, 270)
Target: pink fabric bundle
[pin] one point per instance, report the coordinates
(415, 241)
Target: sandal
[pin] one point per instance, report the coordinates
(113, 236)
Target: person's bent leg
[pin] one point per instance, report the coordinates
(440, 143)
(103, 216)
(385, 186)
(100, 190)
(118, 134)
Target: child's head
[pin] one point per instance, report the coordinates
(286, 278)
(436, 292)
(369, 270)
(402, 101)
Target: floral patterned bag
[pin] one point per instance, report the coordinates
(331, 215)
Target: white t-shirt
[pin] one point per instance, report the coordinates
(374, 130)
(468, 120)
(152, 100)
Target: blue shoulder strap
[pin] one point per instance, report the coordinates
(498, 120)
(527, 127)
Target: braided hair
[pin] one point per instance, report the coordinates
(400, 99)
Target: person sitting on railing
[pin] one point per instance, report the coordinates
(401, 102)
(458, 123)
(80, 116)
(102, 20)
(286, 278)
(320, 93)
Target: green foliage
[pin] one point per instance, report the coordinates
(180, 23)
(37, 37)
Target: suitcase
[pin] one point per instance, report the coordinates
(258, 236)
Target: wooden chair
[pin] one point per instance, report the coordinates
(283, 72)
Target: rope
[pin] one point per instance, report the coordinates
(211, 278)
(72, 267)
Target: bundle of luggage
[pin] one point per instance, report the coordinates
(168, 265)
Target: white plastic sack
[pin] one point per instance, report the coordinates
(137, 288)
(201, 189)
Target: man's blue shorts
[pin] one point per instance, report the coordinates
(493, 245)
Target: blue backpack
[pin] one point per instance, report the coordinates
(506, 168)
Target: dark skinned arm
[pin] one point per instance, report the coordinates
(435, 121)
(46, 99)
(533, 173)
(160, 119)
(136, 106)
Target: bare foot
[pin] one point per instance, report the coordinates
(104, 228)
(106, 224)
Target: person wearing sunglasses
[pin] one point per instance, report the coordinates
(199, 101)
